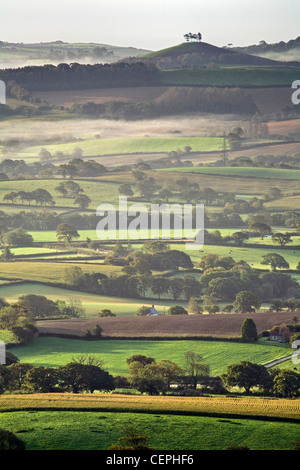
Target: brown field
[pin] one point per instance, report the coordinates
(218, 325)
(238, 406)
(286, 148)
(284, 127)
(271, 100)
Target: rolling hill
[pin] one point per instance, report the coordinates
(202, 54)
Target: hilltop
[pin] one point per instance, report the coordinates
(192, 54)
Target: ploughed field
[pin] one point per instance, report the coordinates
(217, 325)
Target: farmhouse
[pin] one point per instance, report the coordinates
(280, 333)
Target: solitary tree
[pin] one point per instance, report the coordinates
(82, 200)
(249, 331)
(125, 189)
(66, 232)
(275, 261)
(281, 238)
(262, 228)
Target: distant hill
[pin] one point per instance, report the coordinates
(199, 54)
(14, 55)
(289, 50)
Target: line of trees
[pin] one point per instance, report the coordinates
(82, 374)
(80, 76)
(86, 373)
(192, 37)
(40, 196)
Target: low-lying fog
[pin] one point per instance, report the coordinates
(72, 129)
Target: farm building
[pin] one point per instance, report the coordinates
(280, 333)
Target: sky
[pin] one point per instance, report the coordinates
(151, 25)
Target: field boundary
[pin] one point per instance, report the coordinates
(143, 338)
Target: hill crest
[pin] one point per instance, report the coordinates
(193, 54)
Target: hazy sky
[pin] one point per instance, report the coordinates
(153, 24)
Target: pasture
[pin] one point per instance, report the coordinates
(54, 352)
(77, 430)
(99, 192)
(230, 76)
(91, 303)
(248, 172)
(94, 147)
(251, 255)
(47, 271)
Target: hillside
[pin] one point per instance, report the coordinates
(203, 54)
(14, 55)
(289, 50)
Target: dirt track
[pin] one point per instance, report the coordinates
(218, 325)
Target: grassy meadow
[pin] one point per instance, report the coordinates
(233, 76)
(98, 192)
(91, 303)
(276, 173)
(54, 352)
(75, 430)
(95, 147)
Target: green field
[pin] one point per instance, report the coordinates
(252, 256)
(99, 192)
(249, 172)
(284, 203)
(94, 147)
(75, 430)
(92, 303)
(47, 271)
(54, 352)
(230, 76)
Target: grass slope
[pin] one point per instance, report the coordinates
(92, 303)
(54, 352)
